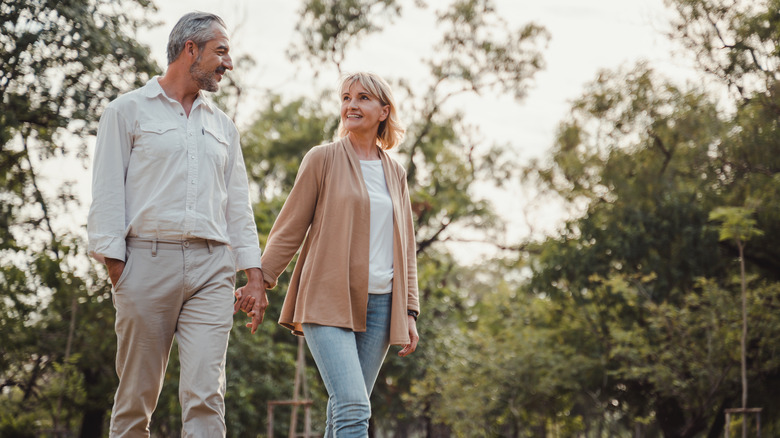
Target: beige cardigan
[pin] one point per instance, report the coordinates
(329, 208)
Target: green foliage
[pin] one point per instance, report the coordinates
(58, 364)
(60, 63)
(277, 141)
(736, 41)
(736, 223)
(480, 52)
(64, 60)
(328, 27)
(485, 351)
(647, 167)
(647, 200)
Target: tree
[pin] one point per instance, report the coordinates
(740, 227)
(735, 41)
(328, 27)
(645, 163)
(60, 63)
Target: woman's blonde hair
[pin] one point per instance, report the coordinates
(391, 131)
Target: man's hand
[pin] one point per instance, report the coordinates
(115, 269)
(252, 298)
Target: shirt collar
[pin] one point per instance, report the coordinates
(153, 89)
(202, 100)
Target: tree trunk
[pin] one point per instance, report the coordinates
(716, 429)
(743, 339)
(92, 423)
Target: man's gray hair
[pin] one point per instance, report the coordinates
(195, 26)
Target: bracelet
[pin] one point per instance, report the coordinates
(413, 314)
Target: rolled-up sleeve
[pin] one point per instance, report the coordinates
(241, 227)
(106, 221)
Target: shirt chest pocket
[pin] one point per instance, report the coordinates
(158, 139)
(215, 146)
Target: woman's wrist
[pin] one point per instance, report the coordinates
(413, 313)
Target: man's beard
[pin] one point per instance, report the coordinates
(205, 80)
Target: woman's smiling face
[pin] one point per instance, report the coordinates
(361, 112)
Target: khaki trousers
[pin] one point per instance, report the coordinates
(167, 289)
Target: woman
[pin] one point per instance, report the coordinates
(353, 291)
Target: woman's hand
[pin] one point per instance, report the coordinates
(413, 336)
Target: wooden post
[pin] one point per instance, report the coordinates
(745, 412)
(271, 420)
(300, 381)
(296, 388)
(306, 406)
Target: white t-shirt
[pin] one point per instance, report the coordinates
(380, 262)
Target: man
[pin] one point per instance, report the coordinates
(171, 219)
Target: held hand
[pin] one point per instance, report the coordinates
(244, 302)
(115, 268)
(252, 298)
(259, 302)
(413, 336)
(257, 312)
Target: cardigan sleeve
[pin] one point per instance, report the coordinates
(413, 302)
(292, 224)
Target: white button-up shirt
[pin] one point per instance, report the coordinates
(160, 174)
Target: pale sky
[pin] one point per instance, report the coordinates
(586, 37)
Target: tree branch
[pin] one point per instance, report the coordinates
(38, 194)
(660, 145)
(421, 246)
(518, 248)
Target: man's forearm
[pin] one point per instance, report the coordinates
(254, 275)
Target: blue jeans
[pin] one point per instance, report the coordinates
(349, 364)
